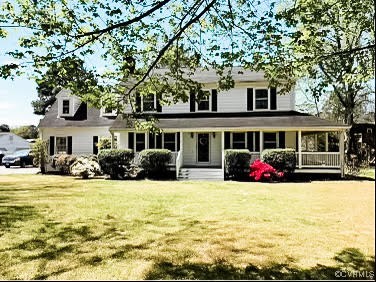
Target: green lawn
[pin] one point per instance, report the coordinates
(54, 227)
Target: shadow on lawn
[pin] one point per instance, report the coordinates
(350, 264)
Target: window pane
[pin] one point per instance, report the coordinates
(65, 106)
(270, 140)
(261, 98)
(261, 104)
(238, 140)
(148, 103)
(169, 141)
(203, 105)
(140, 142)
(261, 94)
(61, 145)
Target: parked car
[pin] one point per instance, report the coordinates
(1, 157)
(20, 158)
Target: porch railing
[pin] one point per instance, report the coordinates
(178, 163)
(319, 159)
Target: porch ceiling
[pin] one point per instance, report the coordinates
(292, 122)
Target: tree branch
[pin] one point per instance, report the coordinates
(126, 23)
(349, 51)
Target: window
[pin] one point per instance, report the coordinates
(169, 141)
(262, 99)
(140, 142)
(65, 106)
(270, 140)
(148, 103)
(238, 140)
(61, 145)
(204, 103)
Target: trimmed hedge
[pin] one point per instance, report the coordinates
(237, 164)
(281, 159)
(115, 162)
(154, 162)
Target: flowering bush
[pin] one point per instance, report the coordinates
(85, 167)
(260, 171)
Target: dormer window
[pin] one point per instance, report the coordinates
(66, 107)
(261, 99)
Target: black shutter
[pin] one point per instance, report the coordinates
(227, 140)
(296, 141)
(69, 150)
(192, 102)
(151, 140)
(95, 145)
(273, 98)
(281, 139)
(158, 144)
(257, 141)
(214, 100)
(131, 140)
(138, 102)
(178, 141)
(249, 99)
(52, 145)
(159, 106)
(250, 141)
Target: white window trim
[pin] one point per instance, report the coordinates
(70, 104)
(209, 101)
(66, 144)
(155, 104)
(176, 141)
(254, 99)
(245, 139)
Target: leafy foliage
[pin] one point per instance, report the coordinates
(26, 132)
(260, 171)
(40, 154)
(237, 164)
(154, 162)
(115, 162)
(104, 143)
(85, 167)
(281, 159)
(63, 162)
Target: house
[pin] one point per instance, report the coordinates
(249, 116)
(71, 127)
(10, 142)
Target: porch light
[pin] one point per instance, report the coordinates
(192, 134)
(213, 134)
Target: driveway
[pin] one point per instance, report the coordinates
(18, 170)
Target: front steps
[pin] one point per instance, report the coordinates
(201, 173)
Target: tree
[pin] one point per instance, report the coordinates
(59, 75)
(40, 154)
(334, 44)
(131, 39)
(26, 131)
(4, 128)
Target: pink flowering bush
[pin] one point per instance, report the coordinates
(260, 171)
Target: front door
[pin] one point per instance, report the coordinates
(203, 147)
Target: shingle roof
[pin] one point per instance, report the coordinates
(254, 120)
(84, 117)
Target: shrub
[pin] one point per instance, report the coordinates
(85, 167)
(115, 162)
(62, 162)
(281, 159)
(154, 162)
(237, 164)
(260, 171)
(104, 143)
(40, 155)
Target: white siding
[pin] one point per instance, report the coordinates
(190, 150)
(176, 108)
(82, 137)
(233, 100)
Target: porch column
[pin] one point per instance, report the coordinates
(342, 152)
(112, 140)
(223, 149)
(181, 142)
(261, 142)
(146, 138)
(300, 149)
(326, 142)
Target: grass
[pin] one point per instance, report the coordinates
(54, 227)
(368, 172)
